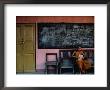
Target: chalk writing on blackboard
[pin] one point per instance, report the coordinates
(65, 35)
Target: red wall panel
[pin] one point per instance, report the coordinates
(68, 19)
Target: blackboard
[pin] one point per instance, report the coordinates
(65, 35)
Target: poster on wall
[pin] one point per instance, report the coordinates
(56, 49)
(68, 47)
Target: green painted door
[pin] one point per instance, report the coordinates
(25, 48)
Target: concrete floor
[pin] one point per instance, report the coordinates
(66, 71)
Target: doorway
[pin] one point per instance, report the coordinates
(25, 48)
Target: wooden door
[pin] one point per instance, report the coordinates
(19, 49)
(29, 47)
(27, 54)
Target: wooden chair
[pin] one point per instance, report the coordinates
(53, 63)
(66, 61)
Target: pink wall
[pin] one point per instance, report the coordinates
(40, 53)
(40, 57)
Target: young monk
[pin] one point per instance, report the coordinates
(79, 55)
